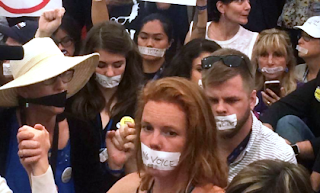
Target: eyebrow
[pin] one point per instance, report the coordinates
(143, 123)
(156, 34)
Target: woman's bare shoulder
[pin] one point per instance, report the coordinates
(127, 184)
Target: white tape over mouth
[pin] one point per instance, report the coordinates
(108, 82)
(226, 122)
(272, 70)
(152, 51)
(302, 50)
(159, 160)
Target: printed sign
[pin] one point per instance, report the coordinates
(18, 8)
(179, 2)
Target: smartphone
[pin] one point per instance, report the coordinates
(273, 85)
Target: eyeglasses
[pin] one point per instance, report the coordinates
(305, 37)
(228, 60)
(65, 77)
(65, 42)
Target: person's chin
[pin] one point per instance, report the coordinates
(275, 76)
(243, 21)
(228, 134)
(301, 55)
(57, 110)
(158, 173)
(150, 58)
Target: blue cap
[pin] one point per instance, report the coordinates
(21, 32)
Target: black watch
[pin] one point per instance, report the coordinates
(296, 149)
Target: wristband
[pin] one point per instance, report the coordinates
(201, 8)
(295, 149)
(114, 171)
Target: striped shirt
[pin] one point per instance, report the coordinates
(263, 144)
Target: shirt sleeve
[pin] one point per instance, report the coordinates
(296, 103)
(3, 186)
(43, 183)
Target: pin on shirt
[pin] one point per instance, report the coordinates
(124, 120)
(317, 93)
(66, 175)
(103, 155)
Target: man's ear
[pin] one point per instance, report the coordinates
(253, 99)
(220, 7)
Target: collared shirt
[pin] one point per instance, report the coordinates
(263, 144)
(301, 72)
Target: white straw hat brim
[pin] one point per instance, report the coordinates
(84, 67)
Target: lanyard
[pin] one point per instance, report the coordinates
(304, 79)
(54, 149)
(103, 132)
(238, 150)
(159, 73)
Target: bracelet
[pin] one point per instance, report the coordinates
(114, 171)
(201, 8)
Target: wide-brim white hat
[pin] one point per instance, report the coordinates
(311, 26)
(44, 60)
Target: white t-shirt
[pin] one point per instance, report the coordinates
(263, 144)
(243, 41)
(3, 186)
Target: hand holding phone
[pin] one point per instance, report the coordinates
(272, 92)
(274, 86)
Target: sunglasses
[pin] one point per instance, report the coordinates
(65, 77)
(65, 42)
(228, 60)
(305, 37)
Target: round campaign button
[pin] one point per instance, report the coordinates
(317, 94)
(66, 175)
(126, 120)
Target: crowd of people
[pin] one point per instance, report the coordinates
(136, 98)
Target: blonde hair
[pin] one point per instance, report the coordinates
(278, 41)
(266, 176)
(200, 159)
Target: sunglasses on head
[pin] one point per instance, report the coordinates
(228, 60)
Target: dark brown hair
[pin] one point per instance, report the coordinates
(113, 38)
(181, 64)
